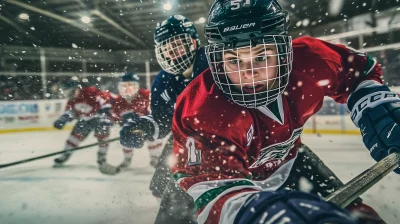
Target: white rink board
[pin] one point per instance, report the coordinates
(331, 122)
(30, 113)
(36, 115)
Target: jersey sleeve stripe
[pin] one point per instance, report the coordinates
(209, 195)
(203, 187)
(178, 177)
(370, 65)
(202, 217)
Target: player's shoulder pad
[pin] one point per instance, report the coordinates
(203, 106)
(162, 80)
(144, 92)
(92, 91)
(308, 49)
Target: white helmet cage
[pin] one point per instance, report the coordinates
(176, 54)
(234, 91)
(128, 90)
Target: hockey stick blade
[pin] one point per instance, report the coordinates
(108, 169)
(56, 153)
(361, 183)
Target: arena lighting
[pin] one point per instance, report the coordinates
(23, 16)
(85, 19)
(167, 6)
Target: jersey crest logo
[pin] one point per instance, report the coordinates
(83, 108)
(249, 135)
(277, 151)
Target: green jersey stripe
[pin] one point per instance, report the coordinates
(210, 195)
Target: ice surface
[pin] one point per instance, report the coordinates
(347, 157)
(78, 193)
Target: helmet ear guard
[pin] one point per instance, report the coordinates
(262, 23)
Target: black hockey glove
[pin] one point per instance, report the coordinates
(376, 111)
(60, 122)
(127, 117)
(291, 207)
(136, 132)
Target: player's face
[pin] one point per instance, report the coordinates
(252, 69)
(128, 89)
(175, 54)
(175, 48)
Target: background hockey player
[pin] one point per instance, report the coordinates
(88, 106)
(131, 103)
(182, 59)
(236, 127)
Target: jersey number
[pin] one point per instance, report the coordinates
(236, 4)
(193, 153)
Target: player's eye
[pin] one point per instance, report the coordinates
(233, 61)
(260, 58)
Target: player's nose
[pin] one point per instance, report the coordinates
(247, 70)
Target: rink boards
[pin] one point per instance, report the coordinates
(39, 115)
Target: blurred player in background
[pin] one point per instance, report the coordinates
(131, 103)
(182, 59)
(88, 106)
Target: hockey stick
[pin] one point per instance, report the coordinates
(361, 183)
(56, 153)
(109, 169)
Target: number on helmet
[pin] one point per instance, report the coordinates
(237, 4)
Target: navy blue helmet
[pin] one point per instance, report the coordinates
(249, 50)
(176, 41)
(129, 77)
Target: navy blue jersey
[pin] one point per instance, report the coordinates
(166, 89)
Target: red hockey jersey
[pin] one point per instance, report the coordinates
(88, 102)
(225, 152)
(140, 105)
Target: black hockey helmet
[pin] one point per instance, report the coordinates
(129, 77)
(176, 41)
(76, 82)
(238, 25)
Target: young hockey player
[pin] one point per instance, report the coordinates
(88, 105)
(131, 103)
(182, 59)
(236, 128)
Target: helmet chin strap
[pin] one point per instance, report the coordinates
(276, 75)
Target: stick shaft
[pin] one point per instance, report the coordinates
(56, 153)
(361, 183)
